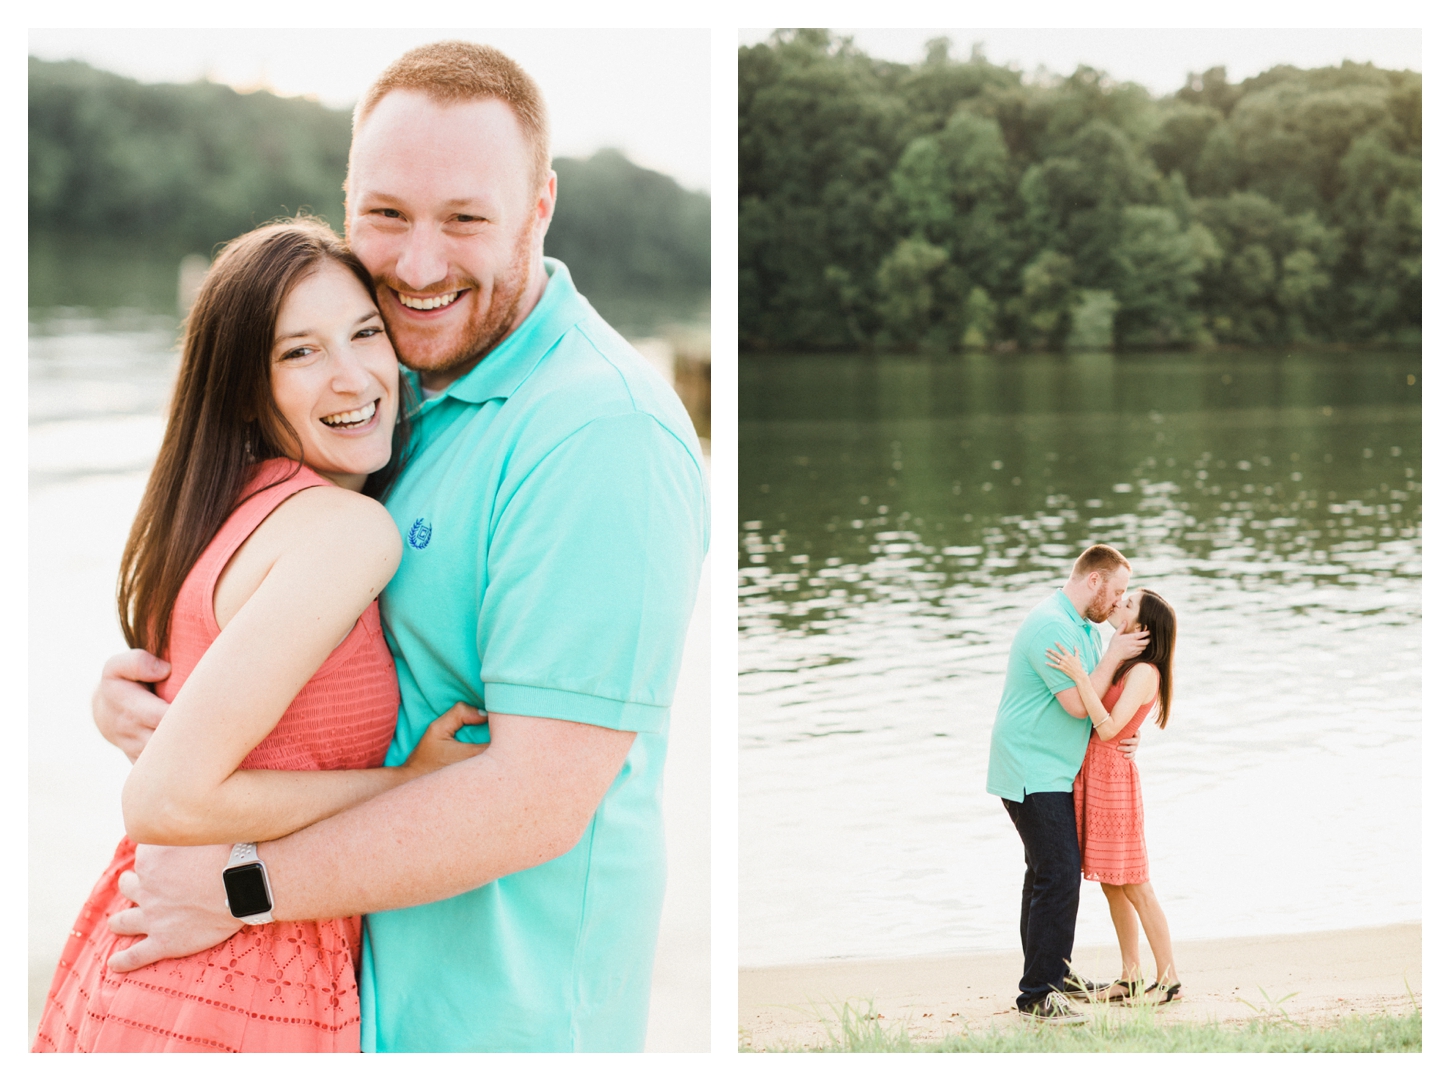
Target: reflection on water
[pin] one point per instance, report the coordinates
(99, 382)
(899, 518)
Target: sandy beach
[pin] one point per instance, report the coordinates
(1330, 974)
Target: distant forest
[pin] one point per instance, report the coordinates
(185, 167)
(953, 205)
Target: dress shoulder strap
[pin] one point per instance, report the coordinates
(272, 482)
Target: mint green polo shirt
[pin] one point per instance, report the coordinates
(554, 521)
(1037, 746)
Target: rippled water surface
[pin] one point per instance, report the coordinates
(99, 382)
(899, 518)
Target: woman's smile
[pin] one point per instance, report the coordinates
(353, 420)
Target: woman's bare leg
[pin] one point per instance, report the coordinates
(1125, 923)
(1155, 926)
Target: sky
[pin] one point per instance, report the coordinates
(1159, 60)
(645, 92)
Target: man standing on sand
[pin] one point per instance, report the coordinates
(1038, 743)
(554, 520)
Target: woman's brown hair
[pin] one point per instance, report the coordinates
(1156, 616)
(223, 418)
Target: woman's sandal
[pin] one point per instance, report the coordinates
(1131, 990)
(1165, 994)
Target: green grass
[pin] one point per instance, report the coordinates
(859, 1029)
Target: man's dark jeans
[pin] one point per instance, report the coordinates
(1047, 825)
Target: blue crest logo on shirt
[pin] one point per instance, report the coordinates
(421, 533)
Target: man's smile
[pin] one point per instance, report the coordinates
(428, 304)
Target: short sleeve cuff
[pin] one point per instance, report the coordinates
(573, 706)
(1057, 682)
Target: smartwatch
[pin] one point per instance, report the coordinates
(249, 894)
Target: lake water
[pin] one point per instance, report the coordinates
(900, 517)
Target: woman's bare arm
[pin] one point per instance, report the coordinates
(1140, 687)
(330, 552)
(1123, 645)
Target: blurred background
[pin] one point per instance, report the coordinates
(1004, 294)
(147, 150)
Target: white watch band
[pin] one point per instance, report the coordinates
(243, 854)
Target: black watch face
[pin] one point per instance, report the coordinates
(246, 890)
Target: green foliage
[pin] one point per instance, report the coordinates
(1273, 284)
(904, 281)
(819, 135)
(624, 229)
(182, 168)
(953, 204)
(1092, 321)
(1044, 308)
(980, 320)
(1144, 1029)
(190, 166)
(1158, 263)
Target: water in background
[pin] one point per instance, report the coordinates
(900, 517)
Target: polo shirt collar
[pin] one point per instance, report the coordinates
(501, 371)
(1072, 612)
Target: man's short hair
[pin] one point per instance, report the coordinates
(1100, 557)
(454, 71)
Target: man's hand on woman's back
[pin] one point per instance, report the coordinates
(123, 707)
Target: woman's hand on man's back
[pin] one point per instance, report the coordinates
(439, 746)
(123, 707)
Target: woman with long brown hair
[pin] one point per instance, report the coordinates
(1109, 798)
(253, 567)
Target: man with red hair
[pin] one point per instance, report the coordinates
(554, 519)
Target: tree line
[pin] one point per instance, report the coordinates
(954, 205)
(184, 167)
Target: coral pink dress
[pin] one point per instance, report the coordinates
(277, 986)
(1109, 803)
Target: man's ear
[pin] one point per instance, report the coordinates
(347, 200)
(544, 205)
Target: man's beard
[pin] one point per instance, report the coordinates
(485, 328)
(1099, 608)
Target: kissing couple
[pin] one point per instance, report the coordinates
(1061, 761)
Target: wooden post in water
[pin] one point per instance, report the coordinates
(682, 356)
(692, 378)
